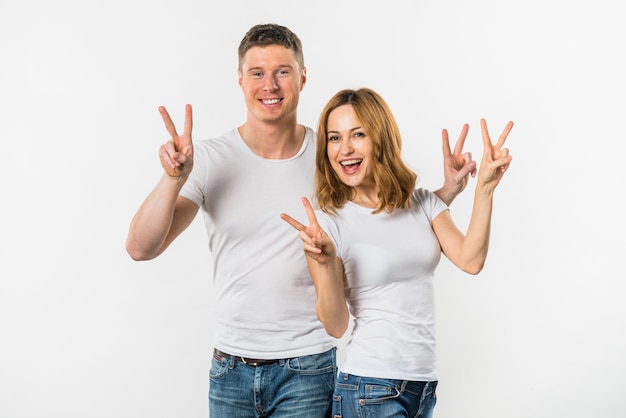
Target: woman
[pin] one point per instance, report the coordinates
(373, 247)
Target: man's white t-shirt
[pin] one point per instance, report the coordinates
(265, 295)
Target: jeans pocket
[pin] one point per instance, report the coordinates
(431, 390)
(219, 367)
(314, 363)
(379, 392)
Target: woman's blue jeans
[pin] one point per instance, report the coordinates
(294, 387)
(367, 397)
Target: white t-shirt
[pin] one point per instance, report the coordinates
(389, 262)
(265, 295)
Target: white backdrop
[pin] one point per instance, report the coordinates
(86, 332)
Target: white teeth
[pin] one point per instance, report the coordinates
(272, 101)
(350, 162)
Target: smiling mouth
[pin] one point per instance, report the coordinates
(270, 101)
(350, 163)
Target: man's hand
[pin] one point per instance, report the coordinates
(457, 167)
(177, 154)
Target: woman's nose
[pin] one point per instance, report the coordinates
(346, 147)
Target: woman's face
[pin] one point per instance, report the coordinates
(349, 148)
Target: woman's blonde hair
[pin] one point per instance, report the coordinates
(395, 180)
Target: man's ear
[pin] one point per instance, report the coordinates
(303, 78)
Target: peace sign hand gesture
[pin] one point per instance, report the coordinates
(457, 166)
(496, 159)
(327, 273)
(177, 154)
(317, 244)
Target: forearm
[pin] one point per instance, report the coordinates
(152, 223)
(331, 306)
(476, 242)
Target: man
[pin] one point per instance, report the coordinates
(272, 356)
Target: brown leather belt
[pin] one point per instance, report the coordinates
(247, 361)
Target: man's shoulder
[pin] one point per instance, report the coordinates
(226, 136)
(223, 141)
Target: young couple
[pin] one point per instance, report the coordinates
(371, 247)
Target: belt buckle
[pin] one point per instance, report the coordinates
(252, 363)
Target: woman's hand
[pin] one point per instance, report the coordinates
(317, 244)
(496, 159)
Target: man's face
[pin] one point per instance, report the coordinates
(271, 81)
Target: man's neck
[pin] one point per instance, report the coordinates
(273, 141)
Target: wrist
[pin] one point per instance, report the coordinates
(176, 182)
(446, 195)
(484, 191)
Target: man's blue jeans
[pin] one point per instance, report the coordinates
(295, 387)
(367, 397)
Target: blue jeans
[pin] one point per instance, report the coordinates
(294, 387)
(368, 397)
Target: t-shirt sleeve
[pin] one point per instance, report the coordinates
(430, 202)
(328, 224)
(193, 189)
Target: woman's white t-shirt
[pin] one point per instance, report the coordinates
(389, 262)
